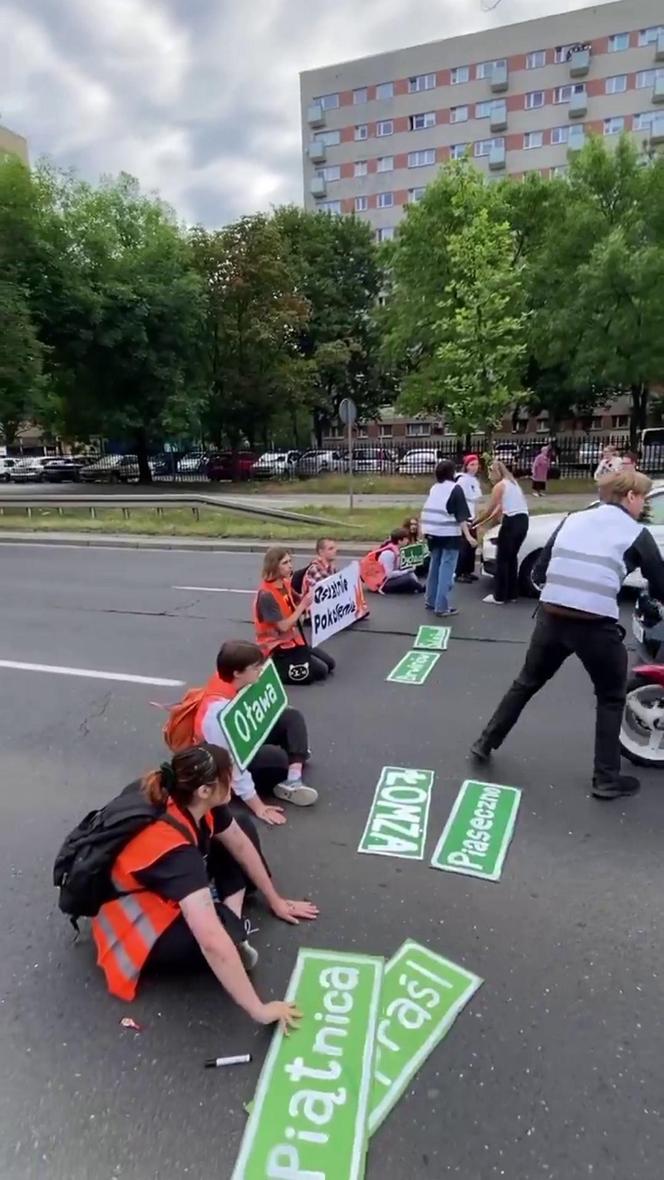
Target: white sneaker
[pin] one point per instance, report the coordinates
(296, 793)
(494, 601)
(246, 951)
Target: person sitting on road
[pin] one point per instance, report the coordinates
(277, 767)
(321, 567)
(381, 569)
(277, 614)
(165, 914)
(412, 526)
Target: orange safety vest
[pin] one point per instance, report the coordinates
(127, 927)
(371, 571)
(268, 637)
(216, 689)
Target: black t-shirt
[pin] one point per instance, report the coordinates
(457, 506)
(184, 870)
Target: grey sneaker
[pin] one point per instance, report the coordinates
(296, 793)
(247, 952)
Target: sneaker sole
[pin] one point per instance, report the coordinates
(299, 797)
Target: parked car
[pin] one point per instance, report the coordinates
(374, 459)
(318, 462)
(418, 462)
(275, 465)
(6, 466)
(541, 528)
(652, 449)
(194, 463)
(235, 466)
(507, 453)
(29, 470)
(589, 454)
(112, 469)
(63, 470)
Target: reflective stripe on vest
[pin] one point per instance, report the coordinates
(587, 566)
(268, 637)
(436, 521)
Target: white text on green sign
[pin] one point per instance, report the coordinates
(397, 823)
(476, 836)
(414, 667)
(309, 1118)
(413, 555)
(436, 638)
(248, 719)
(421, 998)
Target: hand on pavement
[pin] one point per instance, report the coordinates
(272, 815)
(294, 911)
(288, 1015)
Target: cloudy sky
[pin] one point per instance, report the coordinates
(199, 98)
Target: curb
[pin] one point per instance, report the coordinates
(165, 544)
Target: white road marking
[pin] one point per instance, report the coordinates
(213, 589)
(91, 674)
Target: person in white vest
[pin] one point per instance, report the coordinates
(444, 521)
(582, 567)
(472, 490)
(507, 504)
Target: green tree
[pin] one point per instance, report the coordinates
(21, 374)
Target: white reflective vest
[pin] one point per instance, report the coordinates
(436, 521)
(587, 566)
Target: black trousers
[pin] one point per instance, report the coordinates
(287, 742)
(600, 648)
(510, 539)
(302, 665)
(406, 582)
(466, 559)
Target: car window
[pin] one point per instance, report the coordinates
(655, 507)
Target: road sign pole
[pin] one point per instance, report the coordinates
(350, 465)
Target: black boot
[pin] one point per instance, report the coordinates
(481, 750)
(623, 784)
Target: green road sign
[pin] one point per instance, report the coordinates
(309, 1118)
(397, 823)
(413, 668)
(421, 998)
(477, 834)
(248, 719)
(413, 555)
(436, 638)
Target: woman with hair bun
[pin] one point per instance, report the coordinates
(164, 913)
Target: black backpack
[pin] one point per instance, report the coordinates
(82, 869)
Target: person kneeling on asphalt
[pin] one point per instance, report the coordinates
(164, 914)
(278, 611)
(277, 767)
(582, 567)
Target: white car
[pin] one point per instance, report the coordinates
(418, 463)
(6, 466)
(29, 470)
(540, 529)
(275, 464)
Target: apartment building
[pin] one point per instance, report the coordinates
(518, 98)
(12, 144)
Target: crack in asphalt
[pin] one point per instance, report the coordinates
(97, 710)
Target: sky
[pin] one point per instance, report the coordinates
(199, 99)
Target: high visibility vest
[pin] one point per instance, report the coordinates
(215, 689)
(127, 927)
(436, 521)
(587, 566)
(372, 571)
(268, 636)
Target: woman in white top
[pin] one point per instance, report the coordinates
(507, 504)
(609, 464)
(470, 485)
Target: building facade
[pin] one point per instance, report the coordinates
(12, 144)
(518, 98)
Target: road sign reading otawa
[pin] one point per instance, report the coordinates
(338, 602)
(476, 836)
(248, 719)
(435, 638)
(309, 1117)
(421, 998)
(413, 668)
(397, 823)
(413, 555)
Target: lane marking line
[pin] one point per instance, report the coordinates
(213, 589)
(91, 674)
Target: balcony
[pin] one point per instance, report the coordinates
(317, 152)
(578, 104)
(658, 88)
(659, 48)
(657, 130)
(318, 187)
(499, 115)
(499, 79)
(579, 63)
(316, 115)
(576, 139)
(497, 158)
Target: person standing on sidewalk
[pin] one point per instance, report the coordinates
(507, 503)
(444, 520)
(540, 471)
(472, 490)
(583, 566)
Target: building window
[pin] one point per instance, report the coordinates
(329, 206)
(620, 421)
(533, 139)
(421, 122)
(458, 150)
(415, 195)
(360, 96)
(459, 115)
(561, 53)
(559, 135)
(330, 173)
(650, 36)
(616, 85)
(614, 126)
(362, 131)
(559, 170)
(422, 159)
(418, 429)
(361, 168)
(329, 102)
(618, 42)
(385, 127)
(536, 59)
(361, 204)
(386, 429)
(385, 90)
(483, 147)
(483, 109)
(643, 122)
(597, 423)
(562, 94)
(534, 100)
(385, 200)
(486, 68)
(385, 235)
(459, 74)
(647, 78)
(385, 164)
(362, 430)
(421, 82)
(329, 138)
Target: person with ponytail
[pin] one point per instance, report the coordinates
(180, 886)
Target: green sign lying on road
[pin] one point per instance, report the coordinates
(413, 668)
(433, 637)
(413, 555)
(477, 834)
(309, 1118)
(248, 719)
(421, 998)
(397, 823)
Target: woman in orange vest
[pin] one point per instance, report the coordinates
(277, 614)
(165, 914)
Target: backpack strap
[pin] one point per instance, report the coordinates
(179, 827)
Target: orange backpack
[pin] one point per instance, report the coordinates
(178, 732)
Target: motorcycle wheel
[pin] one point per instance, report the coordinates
(642, 728)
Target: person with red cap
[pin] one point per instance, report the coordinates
(470, 485)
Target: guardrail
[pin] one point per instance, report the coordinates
(195, 501)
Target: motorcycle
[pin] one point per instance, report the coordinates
(642, 728)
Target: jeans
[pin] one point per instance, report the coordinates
(441, 578)
(510, 539)
(600, 648)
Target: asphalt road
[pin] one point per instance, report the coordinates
(554, 1069)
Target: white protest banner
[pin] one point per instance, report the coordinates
(338, 602)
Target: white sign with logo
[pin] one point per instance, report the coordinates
(338, 602)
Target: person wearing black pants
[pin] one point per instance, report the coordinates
(508, 504)
(278, 613)
(303, 665)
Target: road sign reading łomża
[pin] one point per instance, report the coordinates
(397, 823)
(434, 638)
(309, 1117)
(421, 998)
(413, 668)
(476, 836)
(248, 719)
